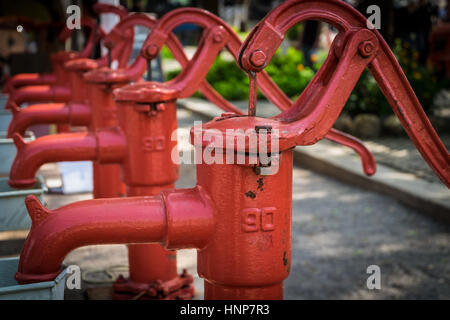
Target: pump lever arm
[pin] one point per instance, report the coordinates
(356, 47)
(218, 35)
(96, 33)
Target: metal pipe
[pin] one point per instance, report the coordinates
(39, 93)
(105, 146)
(54, 233)
(76, 114)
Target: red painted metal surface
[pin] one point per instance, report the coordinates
(218, 35)
(74, 114)
(28, 79)
(95, 35)
(249, 255)
(238, 218)
(355, 48)
(153, 272)
(150, 265)
(74, 70)
(106, 177)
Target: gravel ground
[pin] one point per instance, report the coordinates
(401, 154)
(339, 230)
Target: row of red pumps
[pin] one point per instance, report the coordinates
(243, 242)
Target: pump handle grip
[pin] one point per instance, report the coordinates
(355, 47)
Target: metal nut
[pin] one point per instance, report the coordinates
(366, 48)
(258, 58)
(218, 37)
(151, 50)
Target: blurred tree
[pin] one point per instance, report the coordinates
(210, 5)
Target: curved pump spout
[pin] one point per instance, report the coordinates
(40, 93)
(178, 219)
(28, 79)
(104, 146)
(76, 114)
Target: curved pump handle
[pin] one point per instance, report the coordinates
(99, 8)
(217, 35)
(85, 22)
(104, 8)
(119, 41)
(220, 36)
(118, 36)
(355, 47)
(95, 31)
(137, 68)
(215, 38)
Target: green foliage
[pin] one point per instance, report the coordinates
(294, 33)
(165, 53)
(289, 72)
(367, 97)
(286, 70)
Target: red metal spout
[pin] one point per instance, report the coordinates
(28, 79)
(75, 114)
(168, 218)
(105, 146)
(62, 93)
(39, 94)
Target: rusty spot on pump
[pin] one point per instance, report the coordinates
(260, 184)
(285, 260)
(250, 194)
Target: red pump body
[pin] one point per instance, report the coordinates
(153, 269)
(249, 255)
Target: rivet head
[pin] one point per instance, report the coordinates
(218, 37)
(151, 50)
(258, 58)
(366, 48)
